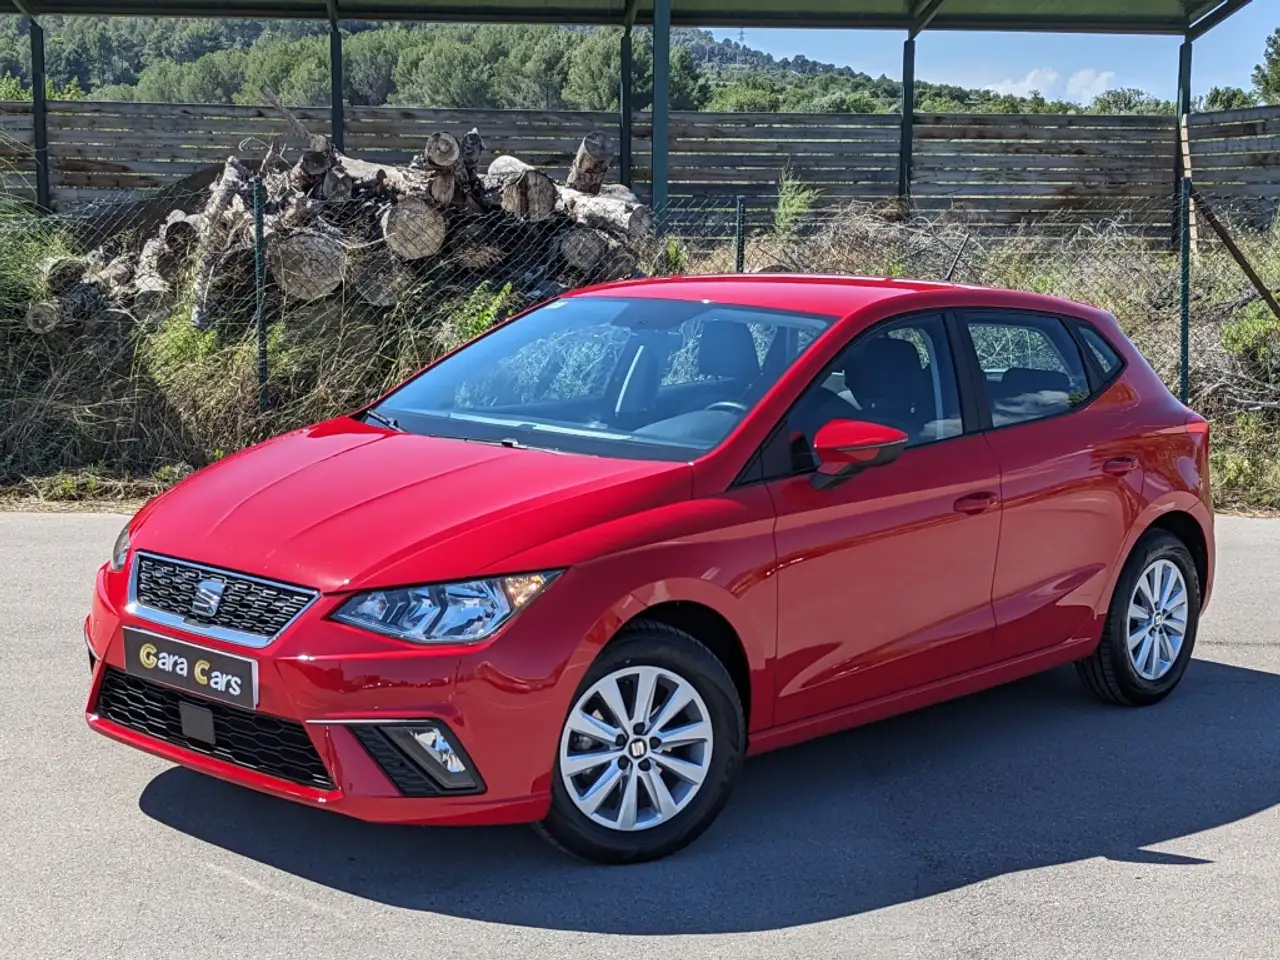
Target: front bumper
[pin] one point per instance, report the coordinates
(502, 703)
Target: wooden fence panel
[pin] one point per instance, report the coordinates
(1011, 169)
(1235, 163)
(17, 150)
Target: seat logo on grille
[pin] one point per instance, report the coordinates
(208, 598)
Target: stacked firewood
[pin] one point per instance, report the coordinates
(335, 226)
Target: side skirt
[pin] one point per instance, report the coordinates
(908, 700)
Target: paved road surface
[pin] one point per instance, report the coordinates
(1027, 822)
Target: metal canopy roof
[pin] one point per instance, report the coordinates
(1083, 16)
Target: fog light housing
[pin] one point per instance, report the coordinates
(436, 751)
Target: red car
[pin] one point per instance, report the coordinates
(574, 572)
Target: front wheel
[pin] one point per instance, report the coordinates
(1151, 625)
(650, 750)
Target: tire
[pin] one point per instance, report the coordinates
(674, 664)
(1110, 671)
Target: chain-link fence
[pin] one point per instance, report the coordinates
(142, 339)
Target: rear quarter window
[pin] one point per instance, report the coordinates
(1104, 355)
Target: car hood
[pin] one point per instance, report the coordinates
(345, 505)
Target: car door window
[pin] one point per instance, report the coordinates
(1031, 366)
(900, 374)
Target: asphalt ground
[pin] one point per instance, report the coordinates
(1024, 822)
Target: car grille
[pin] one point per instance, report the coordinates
(248, 605)
(278, 748)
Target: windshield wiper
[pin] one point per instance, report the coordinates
(382, 418)
(510, 443)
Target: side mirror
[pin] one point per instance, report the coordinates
(847, 447)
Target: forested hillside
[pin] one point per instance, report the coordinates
(229, 61)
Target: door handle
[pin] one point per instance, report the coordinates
(1119, 466)
(974, 503)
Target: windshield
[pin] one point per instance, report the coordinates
(611, 376)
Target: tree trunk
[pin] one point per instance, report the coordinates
(591, 164)
(308, 264)
(413, 229)
(214, 234)
(442, 151)
(520, 189)
(620, 217)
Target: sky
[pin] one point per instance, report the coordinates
(1061, 66)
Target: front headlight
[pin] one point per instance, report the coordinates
(444, 613)
(120, 552)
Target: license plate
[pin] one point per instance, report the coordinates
(184, 666)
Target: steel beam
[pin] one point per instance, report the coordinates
(661, 105)
(1211, 20)
(907, 141)
(626, 108)
(923, 15)
(39, 113)
(336, 110)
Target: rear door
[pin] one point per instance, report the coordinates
(1064, 435)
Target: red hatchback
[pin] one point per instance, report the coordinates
(577, 570)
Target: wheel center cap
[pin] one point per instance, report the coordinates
(638, 749)
(1159, 619)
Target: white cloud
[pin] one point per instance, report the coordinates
(1044, 79)
(1086, 84)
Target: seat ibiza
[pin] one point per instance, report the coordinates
(574, 572)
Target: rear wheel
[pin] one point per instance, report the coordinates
(650, 750)
(1151, 625)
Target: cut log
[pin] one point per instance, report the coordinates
(619, 191)
(380, 279)
(150, 288)
(620, 217)
(43, 317)
(442, 151)
(474, 247)
(583, 248)
(520, 189)
(618, 263)
(337, 185)
(413, 229)
(62, 273)
(443, 187)
(215, 230)
(374, 178)
(180, 234)
(307, 264)
(472, 148)
(309, 170)
(595, 153)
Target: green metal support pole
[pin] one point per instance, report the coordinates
(39, 114)
(625, 109)
(1184, 258)
(260, 277)
(906, 145)
(740, 235)
(1184, 109)
(661, 105)
(335, 79)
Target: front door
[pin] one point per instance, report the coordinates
(884, 581)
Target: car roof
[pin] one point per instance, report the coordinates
(828, 295)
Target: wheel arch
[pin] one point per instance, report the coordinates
(714, 631)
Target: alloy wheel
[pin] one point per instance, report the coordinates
(636, 748)
(1157, 621)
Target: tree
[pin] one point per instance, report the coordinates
(446, 73)
(1266, 75)
(1128, 100)
(1228, 98)
(751, 94)
(689, 89)
(592, 78)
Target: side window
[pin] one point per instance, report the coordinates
(1104, 355)
(900, 374)
(1031, 364)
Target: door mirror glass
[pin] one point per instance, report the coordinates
(846, 447)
